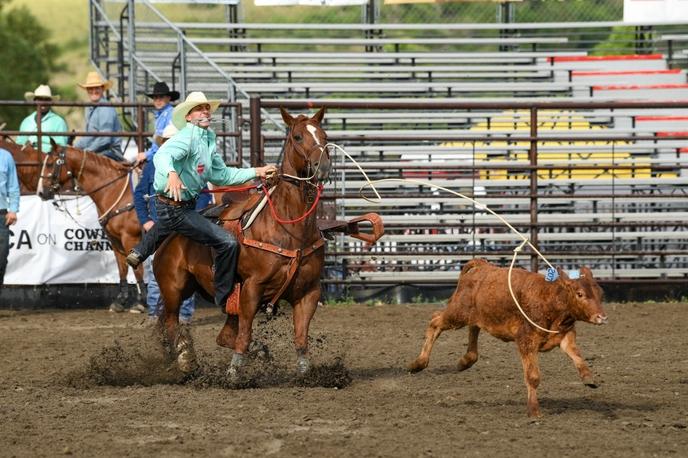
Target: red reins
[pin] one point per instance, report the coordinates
(302, 217)
(272, 205)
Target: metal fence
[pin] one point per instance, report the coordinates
(141, 134)
(377, 11)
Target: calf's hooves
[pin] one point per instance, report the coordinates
(590, 383)
(416, 366)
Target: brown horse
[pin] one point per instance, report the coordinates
(28, 162)
(107, 183)
(276, 260)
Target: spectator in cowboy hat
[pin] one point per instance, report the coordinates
(183, 166)
(50, 121)
(100, 119)
(162, 99)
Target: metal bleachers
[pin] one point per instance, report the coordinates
(609, 181)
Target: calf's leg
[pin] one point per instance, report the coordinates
(568, 346)
(471, 355)
(531, 374)
(441, 321)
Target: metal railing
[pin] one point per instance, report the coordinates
(232, 155)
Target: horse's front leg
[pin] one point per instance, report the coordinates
(172, 285)
(130, 236)
(118, 305)
(251, 294)
(304, 309)
(139, 305)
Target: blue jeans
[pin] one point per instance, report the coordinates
(153, 298)
(4, 245)
(183, 219)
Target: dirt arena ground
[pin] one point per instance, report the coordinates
(90, 383)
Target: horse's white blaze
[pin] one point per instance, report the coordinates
(313, 130)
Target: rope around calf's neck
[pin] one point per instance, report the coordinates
(513, 295)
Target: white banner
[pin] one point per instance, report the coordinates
(48, 246)
(655, 10)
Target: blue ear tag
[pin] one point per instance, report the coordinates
(574, 274)
(551, 274)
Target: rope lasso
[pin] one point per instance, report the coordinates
(479, 205)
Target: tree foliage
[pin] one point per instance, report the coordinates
(27, 59)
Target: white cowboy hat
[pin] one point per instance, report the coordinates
(169, 131)
(42, 91)
(93, 79)
(193, 100)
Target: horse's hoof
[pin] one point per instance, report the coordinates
(187, 361)
(186, 357)
(260, 351)
(137, 308)
(116, 307)
(303, 365)
(238, 360)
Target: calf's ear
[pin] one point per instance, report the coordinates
(562, 274)
(586, 272)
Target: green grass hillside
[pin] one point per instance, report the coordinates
(67, 22)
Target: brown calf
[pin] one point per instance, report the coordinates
(482, 301)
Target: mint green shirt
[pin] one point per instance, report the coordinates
(192, 154)
(50, 122)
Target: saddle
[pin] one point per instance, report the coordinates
(232, 209)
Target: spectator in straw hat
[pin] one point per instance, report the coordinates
(100, 119)
(183, 166)
(50, 121)
(162, 98)
(144, 201)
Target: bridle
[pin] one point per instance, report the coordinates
(55, 184)
(310, 171)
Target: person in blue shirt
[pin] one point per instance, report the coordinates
(162, 102)
(9, 205)
(144, 202)
(100, 119)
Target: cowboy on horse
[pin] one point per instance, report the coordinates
(183, 166)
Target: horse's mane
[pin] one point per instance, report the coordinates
(103, 161)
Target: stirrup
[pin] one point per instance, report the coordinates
(134, 259)
(234, 300)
